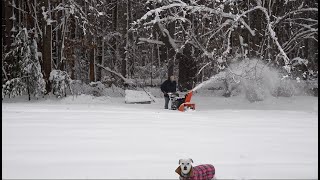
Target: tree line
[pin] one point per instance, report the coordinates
(99, 40)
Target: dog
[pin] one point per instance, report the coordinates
(202, 172)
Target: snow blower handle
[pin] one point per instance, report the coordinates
(170, 94)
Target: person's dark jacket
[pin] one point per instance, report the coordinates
(168, 86)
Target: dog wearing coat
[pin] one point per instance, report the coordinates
(202, 172)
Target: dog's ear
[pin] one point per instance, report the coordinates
(180, 161)
(191, 160)
(178, 170)
(191, 171)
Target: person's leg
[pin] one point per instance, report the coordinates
(166, 102)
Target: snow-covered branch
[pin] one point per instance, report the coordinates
(200, 70)
(232, 19)
(126, 81)
(279, 19)
(272, 33)
(152, 41)
(298, 35)
(166, 33)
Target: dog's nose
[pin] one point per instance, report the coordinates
(185, 168)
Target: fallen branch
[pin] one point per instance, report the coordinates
(126, 81)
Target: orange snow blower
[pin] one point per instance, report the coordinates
(181, 103)
(187, 104)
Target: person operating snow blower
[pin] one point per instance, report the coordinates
(171, 97)
(169, 87)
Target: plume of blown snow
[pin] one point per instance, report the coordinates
(254, 79)
(255, 74)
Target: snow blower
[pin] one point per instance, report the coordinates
(181, 103)
(186, 105)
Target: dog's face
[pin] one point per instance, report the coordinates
(185, 165)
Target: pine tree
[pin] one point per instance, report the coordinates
(30, 77)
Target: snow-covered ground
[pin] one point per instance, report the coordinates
(88, 137)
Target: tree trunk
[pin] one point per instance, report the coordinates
(130, 40)
(187, 68)
(122, 27)
(3, 22)
(8, 25)
(93, 46)
(171, 51)
(186, 59)
(47, 47)
(91, 66)
(114, 48)
(72, 56)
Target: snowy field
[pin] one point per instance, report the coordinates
(87, 137)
